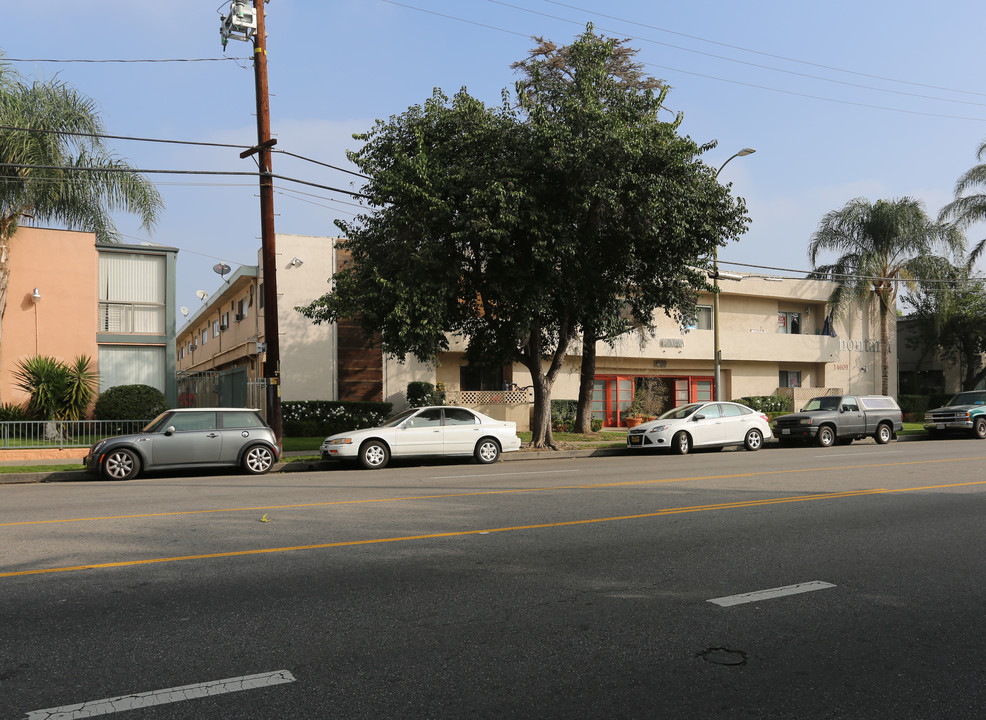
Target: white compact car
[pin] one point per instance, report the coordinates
(703, 424)
(437, 430)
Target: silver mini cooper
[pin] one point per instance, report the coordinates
(189, 438)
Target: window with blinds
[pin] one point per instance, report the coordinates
(131, 293)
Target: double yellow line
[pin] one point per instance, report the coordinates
(463, 533)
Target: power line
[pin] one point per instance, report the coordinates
(136, 60)
(123, 137)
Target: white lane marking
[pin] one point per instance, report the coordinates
(772, 593)
(162, 697)
(486, 475)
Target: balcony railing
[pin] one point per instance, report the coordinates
(131, 317)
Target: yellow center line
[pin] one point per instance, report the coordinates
(464, 533)
(584, 486)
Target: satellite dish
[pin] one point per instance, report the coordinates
(184, 311)
(202, 295)
(221, 269)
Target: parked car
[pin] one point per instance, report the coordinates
(842, 418)
(436, 430)
(702, 424)
(965, 412)
(189, 438)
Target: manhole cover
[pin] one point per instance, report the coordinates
(723, 656)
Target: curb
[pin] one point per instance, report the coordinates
(284, 467)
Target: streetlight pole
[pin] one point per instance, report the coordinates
(716, 352)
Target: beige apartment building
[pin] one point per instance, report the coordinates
(773, 338)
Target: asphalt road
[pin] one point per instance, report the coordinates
(576, 588)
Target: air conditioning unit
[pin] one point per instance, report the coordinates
(223, 327)
(193, 346)
(239, 316)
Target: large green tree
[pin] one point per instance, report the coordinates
(883, 244)
(969, 208)
(54, 168)
(949, 311)
(517, 227)
(628, 192)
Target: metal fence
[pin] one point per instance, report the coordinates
(21, 434)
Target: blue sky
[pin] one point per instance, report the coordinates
(841, 99)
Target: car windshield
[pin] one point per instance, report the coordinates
(822, 403)
(680, 412)
(969, 398)
(157, 424)
(395, 420)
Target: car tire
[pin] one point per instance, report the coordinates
(979, 428)
(374, 455)
(257, 460)
(826, 436)
(681, 443)
(487, 451)
(121, 464)
(753, 440)
(884, 434)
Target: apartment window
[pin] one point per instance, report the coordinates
(240, 309)
(789, 323)
(703, 317)
(789, 378)
(131, 293)
(225, 320)
(205, 335)
(131, 365)
(215, 328)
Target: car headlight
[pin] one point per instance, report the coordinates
(658, 428)
(96, 448)
(339, 441)
(805, 421)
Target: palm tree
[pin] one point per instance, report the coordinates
(970, 209)
(58, 169)
(883, 244)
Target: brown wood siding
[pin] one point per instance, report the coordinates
(360, 364)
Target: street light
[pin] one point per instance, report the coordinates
(716, 352)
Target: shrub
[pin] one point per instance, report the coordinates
(10, 412)
(130, 402)
(58, 391)
(563, 414)
(313, 418)
(422, 394)
(914, 404)
(768, 403)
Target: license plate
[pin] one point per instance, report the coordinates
(785, 431)
(636, 439)
(940, 426)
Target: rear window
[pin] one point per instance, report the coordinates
(878, 403)
(241, 420)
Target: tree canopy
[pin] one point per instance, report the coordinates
(571, 204)
(883, 244)
(969, 208)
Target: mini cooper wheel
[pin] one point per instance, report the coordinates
(257, 460)
(681, 443)
(754, 440)
(487, 451)
(884, 434)
(826, 436)
(374, 455)
(121, 464)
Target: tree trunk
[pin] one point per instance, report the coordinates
(884, 348)
(587, 379)
(542, 382)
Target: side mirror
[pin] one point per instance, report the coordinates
(844, 409)
(170, 430)
(698, 417)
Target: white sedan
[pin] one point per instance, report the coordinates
(438, 430)
(704, 424)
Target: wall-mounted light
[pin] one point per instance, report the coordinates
(36, 295)
(863, 368)
(296, 262)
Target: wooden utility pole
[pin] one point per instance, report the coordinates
(272, 364)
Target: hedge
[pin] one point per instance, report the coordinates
(768, 403)
(311, 418)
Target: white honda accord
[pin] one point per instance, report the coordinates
(703, 424)
(436, 430)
